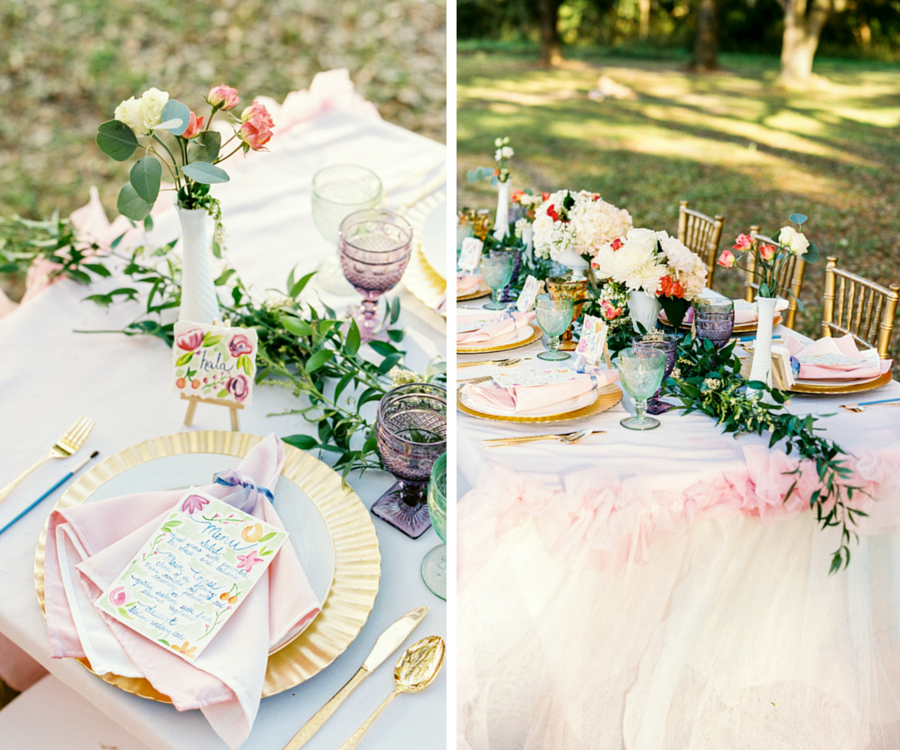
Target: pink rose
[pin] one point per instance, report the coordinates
(194, 126)
(117, 596)
(239, 345)
(256, 130)
(611, 312)
(190, 340)
(726, 259)
(223, 97)
(743, 242)
(767, 252)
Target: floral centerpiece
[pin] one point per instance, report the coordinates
(166, 133)
(770, 268)
(657, 266)
(570, 227)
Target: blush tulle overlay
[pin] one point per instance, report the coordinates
(612, 615)
(88, 545)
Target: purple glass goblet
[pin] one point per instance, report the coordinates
(714, 320)
(411, 430)
(374, 247)
(667, 343)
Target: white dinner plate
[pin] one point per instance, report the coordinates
(434, 239)
(839, 381)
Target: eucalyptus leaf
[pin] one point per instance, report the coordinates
(145, 178)
(131, 205)
(798, 218)
(117, 140)
(207, 174)
(205, 146)
(175, 117)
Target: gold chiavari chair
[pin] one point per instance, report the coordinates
(791, 271)
(702, 234)
(859, 307)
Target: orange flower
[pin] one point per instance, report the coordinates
(186, 649)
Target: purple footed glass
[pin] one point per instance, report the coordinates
(374, 247)
(411, 430)
(667, 343)
(714, 320)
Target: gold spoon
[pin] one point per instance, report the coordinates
(415, 671)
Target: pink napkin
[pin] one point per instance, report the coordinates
(466, 283)
(495, 332)
(865, 364)
(491, 397)
(88, 546)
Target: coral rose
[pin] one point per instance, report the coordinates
(767, 252)
(256, 130)
(223, 97)
(726, 259)
(743, 242)
(194, 126)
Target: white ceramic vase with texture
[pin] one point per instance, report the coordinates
(573, 260)
(199, 303)
(501, 223)
(761, 366)
(644, 309)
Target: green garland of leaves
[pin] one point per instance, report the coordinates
(708, 381)
(306, 349)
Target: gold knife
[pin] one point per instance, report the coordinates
(388, 642)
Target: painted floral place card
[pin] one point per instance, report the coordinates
(535, 377)
(470, 255)
(215, 362)
(592, 344)
(192, 574)
(531, 289)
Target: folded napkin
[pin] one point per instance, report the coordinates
(832, 358)
(522, 400)
(744, 312)
(466, 283)
(89, 545)
(496, 331)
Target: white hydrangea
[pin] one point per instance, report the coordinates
(597, 222)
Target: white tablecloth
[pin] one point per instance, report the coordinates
(49, 375)
(596, 612)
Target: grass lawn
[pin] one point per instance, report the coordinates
(730, 143)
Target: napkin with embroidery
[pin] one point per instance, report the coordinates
(87, 547)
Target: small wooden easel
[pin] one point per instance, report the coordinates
(192, 407)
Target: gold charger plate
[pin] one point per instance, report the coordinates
(742, 328)
(483, 290)
(357, 556)
(535, 336)
(837, 390)
(425, 284)
(607, 398)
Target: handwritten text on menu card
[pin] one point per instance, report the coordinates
(193, 572)
(470, 255)
(535, 377)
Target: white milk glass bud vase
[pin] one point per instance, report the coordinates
(761, 367)
(199, 303)
(501, 224)
(644, 309)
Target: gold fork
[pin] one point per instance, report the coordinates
(62, 448)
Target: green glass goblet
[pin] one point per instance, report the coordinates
(554, 317)
(641, 373)
(497, 271)
(434, 565)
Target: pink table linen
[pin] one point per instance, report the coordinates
(496, 332)
(466, 283)
(865, 365)
(87, 547)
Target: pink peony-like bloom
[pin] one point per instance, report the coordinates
(256, 130)
(767, 252)
(117, 596)
(238, 387)
(194, 126)
(246, 562)
(743, 242)
(223, 97)
(726, 259)
(611, 312)
(239, 345)
(194, 503)
(190, 340)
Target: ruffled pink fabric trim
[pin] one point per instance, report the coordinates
(620, 519)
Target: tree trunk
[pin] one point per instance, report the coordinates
(801, 38)
(644, 18)
(706, 45)
(548, 18)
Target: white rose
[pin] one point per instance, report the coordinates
(129, 112)
(498, 143)
(152, 103)
(799, 244)
(498, 154)
(507, 152)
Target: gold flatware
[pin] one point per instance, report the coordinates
(388, 642)
(566, 438)
(415, 671)
(859, 408)
(498, 362)
(62, 448)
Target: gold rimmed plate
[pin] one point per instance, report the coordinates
(740, 328)
(310, 494)
(483, 290)
(821, 389)
(535, 335)
(607, 398)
